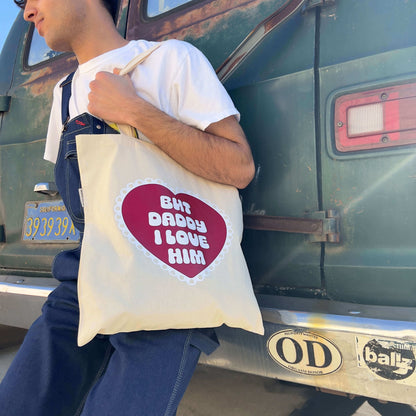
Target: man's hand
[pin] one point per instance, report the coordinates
(110, 96)
(220, 153)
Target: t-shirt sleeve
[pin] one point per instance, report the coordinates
(199, 96)
(54, 127)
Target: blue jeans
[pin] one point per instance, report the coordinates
(128, 374)
(139, 373)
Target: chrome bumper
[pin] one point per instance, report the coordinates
(357, 349)
(21, 299)
(362, 350)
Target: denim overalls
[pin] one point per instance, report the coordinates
(141, 373)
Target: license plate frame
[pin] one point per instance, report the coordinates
(48, 222)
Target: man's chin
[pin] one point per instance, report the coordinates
(57, 46)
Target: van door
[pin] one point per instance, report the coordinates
(367, 85)
(215, 27)
(264, 51)
(34, 226)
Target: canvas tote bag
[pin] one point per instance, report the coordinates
(161, 248)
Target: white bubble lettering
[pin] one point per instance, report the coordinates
(168, 219)
(165, 202)
(154, 219)
(180, 220)
(203, 242)
(178, 256)
(200, 226)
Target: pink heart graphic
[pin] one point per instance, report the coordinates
(180, 230)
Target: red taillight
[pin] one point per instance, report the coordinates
(375, 119)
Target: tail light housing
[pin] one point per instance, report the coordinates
(380, 118)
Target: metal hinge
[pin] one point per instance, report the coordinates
(321, 226)
(312, 4)
(330, 227)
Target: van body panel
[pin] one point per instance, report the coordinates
(315, 82)
(375, 261)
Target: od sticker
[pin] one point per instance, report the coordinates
(387, 358)
(304, 352)
(183, 234)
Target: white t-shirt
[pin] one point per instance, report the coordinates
(176, 78)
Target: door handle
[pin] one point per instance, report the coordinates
(47, 188)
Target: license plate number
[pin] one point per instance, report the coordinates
(47, 222)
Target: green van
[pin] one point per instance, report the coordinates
(327, 95)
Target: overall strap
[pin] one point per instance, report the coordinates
(66, 95)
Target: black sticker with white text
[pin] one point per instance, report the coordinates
(387, 358)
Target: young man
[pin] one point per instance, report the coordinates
(176, 100)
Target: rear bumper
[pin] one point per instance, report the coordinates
(357, 349)
(21, 299)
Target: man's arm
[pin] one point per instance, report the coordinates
(221, 153)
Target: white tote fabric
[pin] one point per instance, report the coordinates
(161, 247)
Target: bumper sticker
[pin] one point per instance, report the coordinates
(389, 359)
(304, 352)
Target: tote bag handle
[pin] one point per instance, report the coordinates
(137, 60)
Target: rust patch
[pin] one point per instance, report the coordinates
(206, 17)
(191, 20)
(45, 78)
(281, 14)
(124, 4)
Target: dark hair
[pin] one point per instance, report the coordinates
(110, 5)
(20, 3)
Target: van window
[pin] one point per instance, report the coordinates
(157, 7)
(39, 51)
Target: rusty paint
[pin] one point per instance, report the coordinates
(124, 4)
(47, 76)
(193, 19)
(204, 18)
(282, 14)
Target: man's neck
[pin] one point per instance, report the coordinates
(96, 40)
(92, 50)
